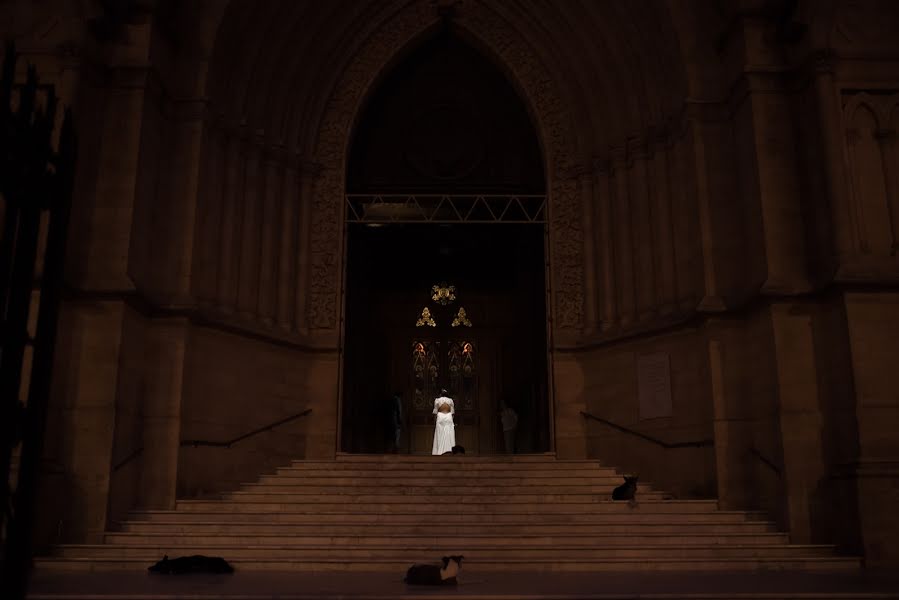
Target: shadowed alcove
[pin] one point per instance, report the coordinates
(445, 187)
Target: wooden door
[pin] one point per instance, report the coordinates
(459, 364)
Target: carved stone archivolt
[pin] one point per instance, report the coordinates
(540, 91)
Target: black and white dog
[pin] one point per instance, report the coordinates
(435, 574)
(191, 564)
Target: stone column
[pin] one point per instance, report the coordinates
(606, 247)
(207, 248)
(832, 131)
(84, 399)
(100, 243)
(251, 238)
(667, 284)
(287, 257)
(778, 188)
(890, 152)
(229, 240)
(268, 263)
(712, 300)
(625, 248)
(873, 322)
(569, 400)
(163, 388)
(800, 416)
(585, 185)
(731, 436)
(308, 174)
(642, 230)
(685, 217)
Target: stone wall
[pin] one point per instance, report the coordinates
(234, 385)
(611, 390)
(874, 339)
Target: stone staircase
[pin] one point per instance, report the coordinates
(382, 513)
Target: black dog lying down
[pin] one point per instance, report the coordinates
(191, 564)
(435, 574)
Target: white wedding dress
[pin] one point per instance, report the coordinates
(445, 429)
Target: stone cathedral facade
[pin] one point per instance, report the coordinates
(722, 185)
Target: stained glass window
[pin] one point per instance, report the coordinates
(461, 319)
(426, 319)
(443, 294)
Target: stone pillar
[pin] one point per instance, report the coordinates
(287, 257)
(712, 300)
(606, 247)
(889, 150)
(569, 401)
(163, 387)
(308, 174)
(641, 220)
(104, 197)
(731, 435)
(229, 240)
(776, 185)
(873, 320)
(666, 284)
(84, 400)
(585, 185)
(206, 252)
(831, 128)
(804, 470)
(685, 218)
(625, 248)
(271, 216)
(251, 238)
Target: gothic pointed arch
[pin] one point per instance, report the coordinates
(539, 91)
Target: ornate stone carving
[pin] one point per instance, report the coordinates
(566, 235)
(331, 148)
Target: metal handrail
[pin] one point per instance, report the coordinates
(753, 451)
(695, 444)
(196, 443)
(240, 438)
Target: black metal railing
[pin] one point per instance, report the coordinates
(754, 452)
(240, 438)
(212, 444)
(694, 444)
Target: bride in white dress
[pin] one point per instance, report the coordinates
(445, 429)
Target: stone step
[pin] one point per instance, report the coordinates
(503, 458)
(421, 551)
(450, 496)
(418, 480)
(462, 505)
(473, 489)
(437, 538)
(446, 473)
(620, 526)
(531, 565)
(426, 517)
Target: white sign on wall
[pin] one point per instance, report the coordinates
(654, 386)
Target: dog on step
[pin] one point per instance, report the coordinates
(627, 491)
(435, 574)
(191, 564)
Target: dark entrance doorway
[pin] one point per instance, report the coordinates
(445, 281)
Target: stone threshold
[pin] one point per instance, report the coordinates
(771, 585)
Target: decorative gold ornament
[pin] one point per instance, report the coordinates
(443, 294)
(426, 319)
(461, 318)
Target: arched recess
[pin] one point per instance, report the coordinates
(445, 120)
(536, 87)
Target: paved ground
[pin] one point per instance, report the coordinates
(500, 586)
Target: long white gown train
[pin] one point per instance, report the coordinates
(445, 429)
